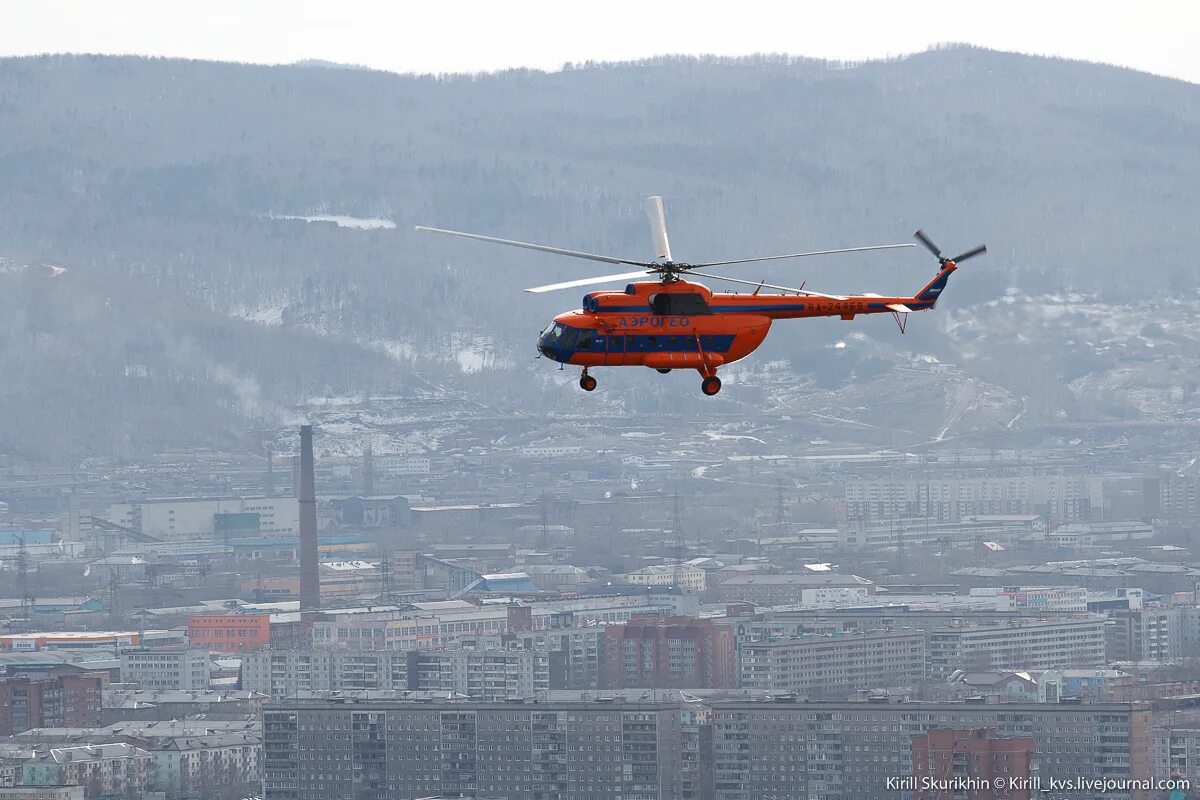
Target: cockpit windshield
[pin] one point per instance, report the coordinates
(560, 336)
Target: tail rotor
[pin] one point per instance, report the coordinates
(942, 260)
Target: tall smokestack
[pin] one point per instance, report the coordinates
(310, 577)
(368, 468)
(270, 487)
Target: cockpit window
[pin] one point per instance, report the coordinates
(567, 338)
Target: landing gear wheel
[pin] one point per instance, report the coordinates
(587, 383)
(662, 371)
(711, 385)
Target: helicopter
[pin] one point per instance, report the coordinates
(676, 323)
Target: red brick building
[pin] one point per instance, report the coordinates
(965, 764)
(673, 653)
(230, 633)
(64, 701)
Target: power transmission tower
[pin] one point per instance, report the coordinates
(677, 525)
(780, 508)
(114, 594)
(544, 527)
(385, 572)
(23, 579)
(270, 485)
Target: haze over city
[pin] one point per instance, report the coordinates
(533, 401)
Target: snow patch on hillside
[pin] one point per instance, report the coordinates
(341, 220)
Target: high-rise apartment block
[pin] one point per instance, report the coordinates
(833, 664)
(677, 652)
(662, 745)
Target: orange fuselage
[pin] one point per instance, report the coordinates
(685, 325)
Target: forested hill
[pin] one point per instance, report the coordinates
(188, 313)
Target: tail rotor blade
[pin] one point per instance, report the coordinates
(658, 227)
(929, 245)
(970, 254)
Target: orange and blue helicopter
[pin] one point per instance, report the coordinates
(676, 323)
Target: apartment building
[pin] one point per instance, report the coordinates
(104, 770)
(373, 750)
(1178, 747)
(677, 652)
(59, 701)
(849, 751)
(437, 624)
(1149, 633)
(837, 664)
(1017, 644)
(1059, 498)
(664, 746)
(184, 668)
(41, 792)
(484, 675)
(1005, 766)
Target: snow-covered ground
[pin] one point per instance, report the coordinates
(341, 220)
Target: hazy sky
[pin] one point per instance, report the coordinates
(472, 35)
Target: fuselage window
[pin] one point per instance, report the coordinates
(669, 304)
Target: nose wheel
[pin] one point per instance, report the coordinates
(711, 385)
(587, 382)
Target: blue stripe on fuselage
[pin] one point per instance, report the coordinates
(618, 344)
(754, 309)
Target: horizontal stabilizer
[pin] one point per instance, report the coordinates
(899, 308)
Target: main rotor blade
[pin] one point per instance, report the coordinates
(658, 227)
(624, 276)
(970, 254)
(802, 255)
(541, 247)
(805, 292)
